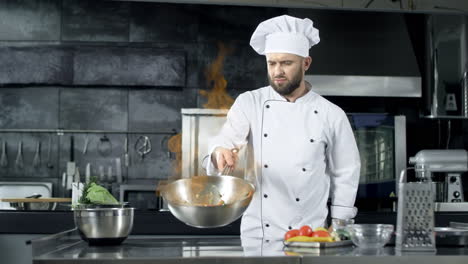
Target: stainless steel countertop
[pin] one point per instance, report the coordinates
(67, 247)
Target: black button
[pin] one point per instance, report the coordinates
(289, 227)
(297, 199)
(303, 169)
(267, 241)
(311, 140)
(267, 106)
(267, 225)
(265, 135)
(265, 195)
(266, 166)
(315, 111)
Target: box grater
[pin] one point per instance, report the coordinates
(415, 216)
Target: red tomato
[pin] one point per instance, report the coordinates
(291, 233)
(321, 233)
(306, 231)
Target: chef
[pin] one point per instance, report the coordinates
(300, 146)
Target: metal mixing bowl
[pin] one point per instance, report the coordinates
(104, 226)
(30, 206)
(195, 201)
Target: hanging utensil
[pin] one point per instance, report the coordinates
(71, 165)
(37, 155)
(126, 157)
(110, 176)
(143, 146)
(64, 184)
(49, 149)
(19, 156)
(118, 170)
(102, 177)
(88, 173)
(165, 147)
(104, 146)
(4, 158)
(85, 148)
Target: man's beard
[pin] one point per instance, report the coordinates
(289, 87)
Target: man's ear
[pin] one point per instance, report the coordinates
(307, 62)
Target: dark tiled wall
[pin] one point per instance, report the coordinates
(23, 20)
(112, 66)
(95, 21)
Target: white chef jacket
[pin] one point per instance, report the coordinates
(298, 153)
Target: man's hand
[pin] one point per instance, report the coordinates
(223, 156)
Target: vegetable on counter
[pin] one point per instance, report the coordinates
(306, 234)
(96, 194)
(310, 239)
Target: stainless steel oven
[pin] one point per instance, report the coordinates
(381, 140)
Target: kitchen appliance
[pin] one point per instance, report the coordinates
(199, 126)
(104, 226)
(189, 201)
(448, 167)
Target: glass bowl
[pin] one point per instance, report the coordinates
(370, 235)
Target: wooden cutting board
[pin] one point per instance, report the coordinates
(36, 200)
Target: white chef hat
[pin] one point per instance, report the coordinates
(285, 34)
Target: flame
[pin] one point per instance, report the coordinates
(217, 98)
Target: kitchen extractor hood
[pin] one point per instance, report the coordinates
(353, 85)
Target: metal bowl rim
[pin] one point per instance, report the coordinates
(104, 209)
(163, 191)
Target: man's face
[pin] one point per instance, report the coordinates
(285, 72)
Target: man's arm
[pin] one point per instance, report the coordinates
(344, 166)
(233, 135)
